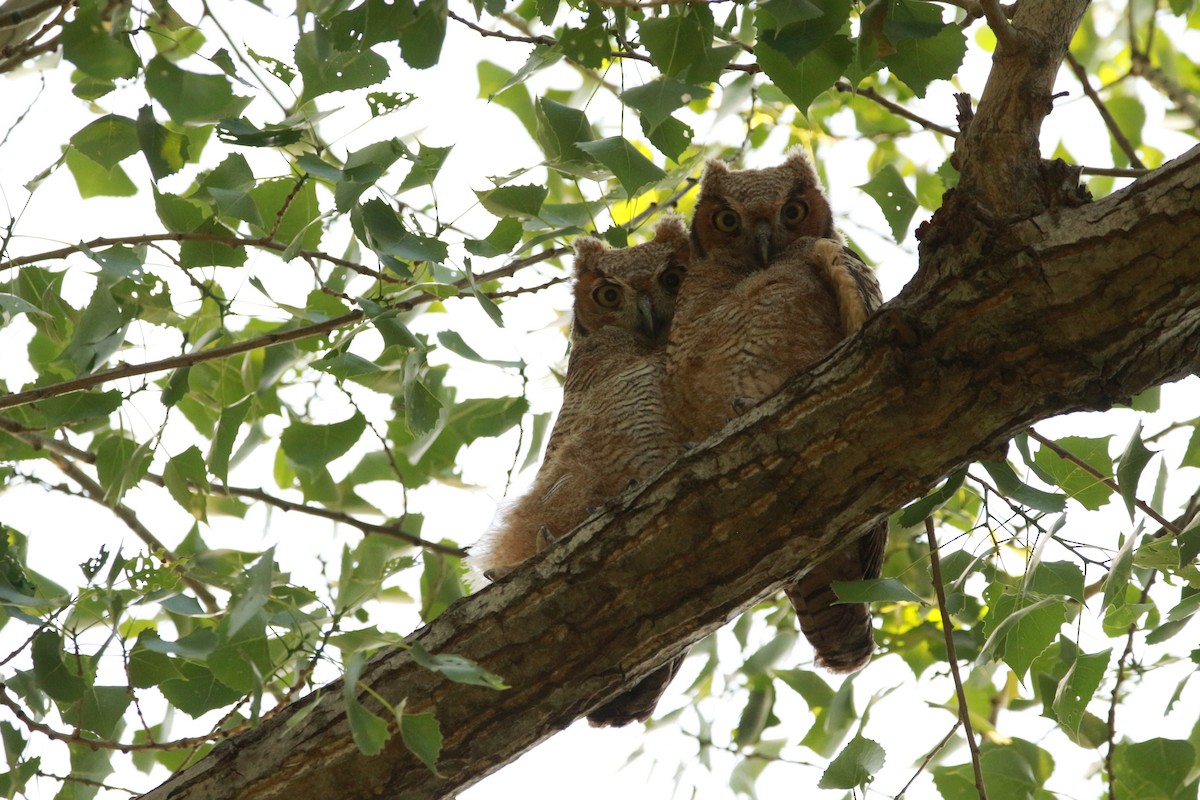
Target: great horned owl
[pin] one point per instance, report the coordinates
(772, 289)
(614, 428)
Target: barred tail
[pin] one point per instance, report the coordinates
(841, 634)
(637, 704)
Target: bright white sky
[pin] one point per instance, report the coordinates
(581, 762)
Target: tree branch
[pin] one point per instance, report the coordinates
(1113, 128)
(1000, 328)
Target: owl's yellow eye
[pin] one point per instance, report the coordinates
(794, 212)
(607, 295)
(726, 220)
(672, 279)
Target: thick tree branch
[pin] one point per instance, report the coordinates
(1077, 308)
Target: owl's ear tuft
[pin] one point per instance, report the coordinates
(670, 227)
(587, 249)
(715, 171)
(799, 163)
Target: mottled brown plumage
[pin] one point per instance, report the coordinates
(771, 290)
(614, 428)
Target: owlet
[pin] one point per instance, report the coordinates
(771, 290)
(614, 428)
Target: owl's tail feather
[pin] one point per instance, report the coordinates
(841, 634)
(637, 704)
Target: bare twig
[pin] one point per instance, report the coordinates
(964, 713)
(1115, 172)
(1181, 97)
(1118, 135)
(895, 108)
(67, 450)
(102, 744)
(1067, 455)
(929, 757)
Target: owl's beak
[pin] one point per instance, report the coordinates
(646, 319)
(762, 238)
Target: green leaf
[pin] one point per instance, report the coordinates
(89, 44)
(1131, 463)
(11, 306)
(855, 766)
(423, 737)
(895, 200)
(833, 721)
(656, 100)
(108, 140)
(421, 40)
(670, 136)
(453, 342)
(190, 96)
(630, 167)
(1057, 578)
(1129, 114)
(100, 710)
(291, 210)
(494, 84)
(53, 675)
(93, 180)
(425, 168)
(1191, 456)
(879, 590)
(1077, 687)
(1021, 630)
(1154, 770)
(681, 45)
(244, 133)
(914, 513)
(317, 445)
(560, 128)
(776, 648)
(362, 169)
(325, 69)
(197, 691)
(228, 186)
(1010, 486)
(369, 731)
(79, 406)
(803, 34)
(120, 464)
(1073, 479)
(586, 44)
(441, 583)
(503, 238)
(514, 201)
(456, 668)
(814, 74)
(182, 473)
(382, 229)
(919, 62)
(755, 714)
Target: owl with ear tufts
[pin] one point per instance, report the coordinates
(771, 290)
(614, 428)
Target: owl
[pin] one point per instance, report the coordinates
(771, 290)
(614, 428)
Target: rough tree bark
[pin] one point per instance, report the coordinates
(1011, 319)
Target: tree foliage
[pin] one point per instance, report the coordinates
(284, 288)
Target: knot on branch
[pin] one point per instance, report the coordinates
(1060, 185)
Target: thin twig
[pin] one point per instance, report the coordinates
(265, 243)
(102, 744)
(964, 713)
(1184, 99)
(1116, 695)
(1115, 172)
(97, 494)
(1067, 455)
(1109, 122)
(51, 444)
(897, 109)
(929, 757)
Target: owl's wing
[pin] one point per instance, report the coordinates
(853, 283)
